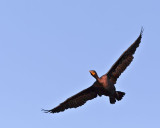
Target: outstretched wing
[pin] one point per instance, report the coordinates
(124, 60)
(76, 100)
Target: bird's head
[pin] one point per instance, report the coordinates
(94, 74)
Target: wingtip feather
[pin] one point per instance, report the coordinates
(46, 111)
(142, 29)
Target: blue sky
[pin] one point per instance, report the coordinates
(48, 47)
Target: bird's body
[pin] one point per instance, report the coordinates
(104, 85)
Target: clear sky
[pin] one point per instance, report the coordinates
(47, 48)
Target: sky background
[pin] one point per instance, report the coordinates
(47, 48)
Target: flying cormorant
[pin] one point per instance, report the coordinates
(103, 85)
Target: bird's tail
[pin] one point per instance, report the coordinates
(119, 95)
(112, 99)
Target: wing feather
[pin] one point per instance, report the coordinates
(124, 60)
(76, 100)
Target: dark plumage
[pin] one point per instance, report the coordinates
(103, 85)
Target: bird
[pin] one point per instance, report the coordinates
(104, 85)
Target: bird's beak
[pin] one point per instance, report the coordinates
(92, 72)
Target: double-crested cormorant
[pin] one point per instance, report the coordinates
(103, 85)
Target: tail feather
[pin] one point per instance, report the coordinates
(119, 95)
(112, 99)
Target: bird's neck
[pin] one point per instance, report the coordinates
(97, 78)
